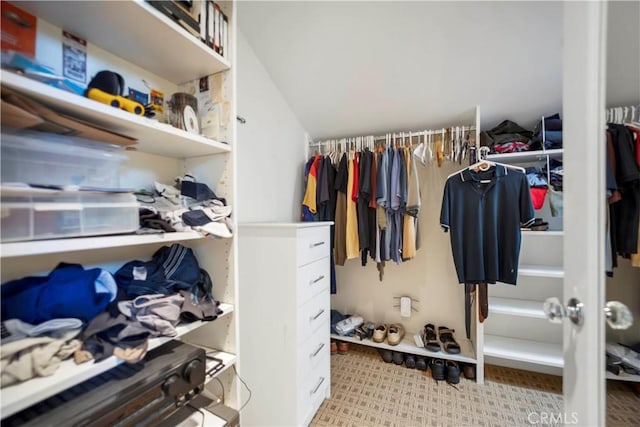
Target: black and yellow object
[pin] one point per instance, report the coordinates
(116, 101)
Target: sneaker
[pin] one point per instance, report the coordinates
(380, 333)
(369, 328)
(395, 334)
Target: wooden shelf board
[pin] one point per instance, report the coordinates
(536, 352)
(20, 396)
(40, 247)
(517, 307)
(143, 36)
(541, 271)
(153, 137)
(467, 354)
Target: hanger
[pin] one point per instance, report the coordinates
(483, 164)
(421, 150)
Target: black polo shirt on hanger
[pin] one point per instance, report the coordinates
(484, 211)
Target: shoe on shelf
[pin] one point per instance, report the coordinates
(395, 334)
(449, 343)
(369, 327)
(387, 355)
(380, 333)
(334, 348)
(398, 358)
(469, 371)
(343, 347)
(453, 372)
(421, 363)
(437, 369)
(537, 225)
(410, 361)
(429, 338)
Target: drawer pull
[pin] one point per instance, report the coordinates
(311, 319)
(315, 353)
(315, 390)
(315, 245)
(316, 280)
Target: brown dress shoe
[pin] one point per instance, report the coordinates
(334, 348)
(469, 371)
(343, 347)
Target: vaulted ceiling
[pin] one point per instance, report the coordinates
(356, 68)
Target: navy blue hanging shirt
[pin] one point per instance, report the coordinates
(484, 211)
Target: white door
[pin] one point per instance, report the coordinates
(584, 210)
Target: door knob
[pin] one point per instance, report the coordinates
(618, 315)
(555, 311)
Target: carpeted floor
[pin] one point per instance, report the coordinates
(365, 391)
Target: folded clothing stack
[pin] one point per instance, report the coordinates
(552, 135)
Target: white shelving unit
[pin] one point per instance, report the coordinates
(153, 137)
(516, 307)
(527, 156)
(623, 376)
(134, 31)
(520, 350)
(529, 341)
(541, 271)
(42, 247)
(467, 355)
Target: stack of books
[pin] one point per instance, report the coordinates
(203, 19)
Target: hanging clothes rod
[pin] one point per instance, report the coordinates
(405, 134)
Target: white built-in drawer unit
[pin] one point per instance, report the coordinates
(284, 328)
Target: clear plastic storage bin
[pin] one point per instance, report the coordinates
(37, 215)
(48, 159)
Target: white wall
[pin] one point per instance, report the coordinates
(623, 53)
(271, 146)
(429, 278)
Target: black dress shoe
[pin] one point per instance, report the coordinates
(387, 355)
(410, 361)
(398, 358)
(437, 369)
(453, 372)
(421, 363)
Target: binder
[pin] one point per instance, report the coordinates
(225, 36)
(216, 29)
(210, 20)
(202, 19)
(179, 14)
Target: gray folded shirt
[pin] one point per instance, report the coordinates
(16, 329)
